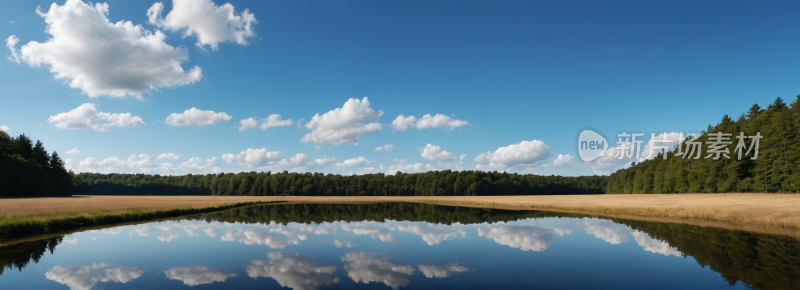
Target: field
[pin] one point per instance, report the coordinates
(767, 213)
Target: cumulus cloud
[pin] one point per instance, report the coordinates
(255, 237)
(526, 238)
(436, 154)
(401, 161)
(74, 151)
(197, 275)
(655, 246)
(211, 23)
(273, 120)
(81, 277)
(410, 168)
(253, 157)
(610, 160)
(195, 165)
(168, 156)
(134, 163)
(358, 161)
(563, 160)
(344, 125)
(431, 271)
(4, 128)
(374, 230)
(196, 117)
(606, 230)
(292, 271)
(387, 147)
(71, 239)
(401, 123)
(103, 58)
(366, 268)
(525, 153)
(11, 44)
(87, 117)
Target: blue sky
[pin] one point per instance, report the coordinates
(525, 76)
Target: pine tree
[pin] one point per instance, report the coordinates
(40, 155)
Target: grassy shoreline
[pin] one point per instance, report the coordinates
(22, 226)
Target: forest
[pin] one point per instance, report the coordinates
(26, 169)
(432, 183)
(774, 170)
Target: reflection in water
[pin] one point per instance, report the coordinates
(526, 238)
(364, 267)
(293, 271)
(197, 275)
(250, 237)
(758, 260)
(374, 230)
(346, 244)
(655, 246)
(81, 277)
(606, 230)
(432, 271)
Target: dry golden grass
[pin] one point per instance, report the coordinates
(769, 213)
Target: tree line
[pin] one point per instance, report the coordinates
(432, 183)
(776, 169)
(26, 169)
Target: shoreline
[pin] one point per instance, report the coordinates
(771, 213)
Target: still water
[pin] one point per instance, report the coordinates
(401, 246)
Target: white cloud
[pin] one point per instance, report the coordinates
(168, 156)
(401, 161)
(606, 230)
(431, 271)
(87, 117)
(211, 23)
(11, 43)
(436, 154)
(387, 147)
(275, 120)
(134, 163)
(196, 117)
(71, 239)
(364, 267)
(253, 157)
(358, 161)
(401, 123)
(251, 237)
(194, 165)
(248, 123)
(167, 237)
(317, 148)
(74, 151)
(103, 58)
(292, 271)
(197, 275)
(655, 246)
(80, 277)
(4, 128)
(563, 160)
(524, 153)
(411, 168)
(344, 125)
(526, 238)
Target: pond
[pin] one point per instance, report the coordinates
(401, 246)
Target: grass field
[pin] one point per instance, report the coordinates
(768, 213)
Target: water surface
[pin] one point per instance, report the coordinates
(400, 245)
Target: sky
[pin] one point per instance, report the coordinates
(204, 86)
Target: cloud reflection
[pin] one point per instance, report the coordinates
(293, 271)
(197, 275)
(81, 277)
(432, 271)
(606, 230)
(526, 238)
(655, 246)
(364, 267)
